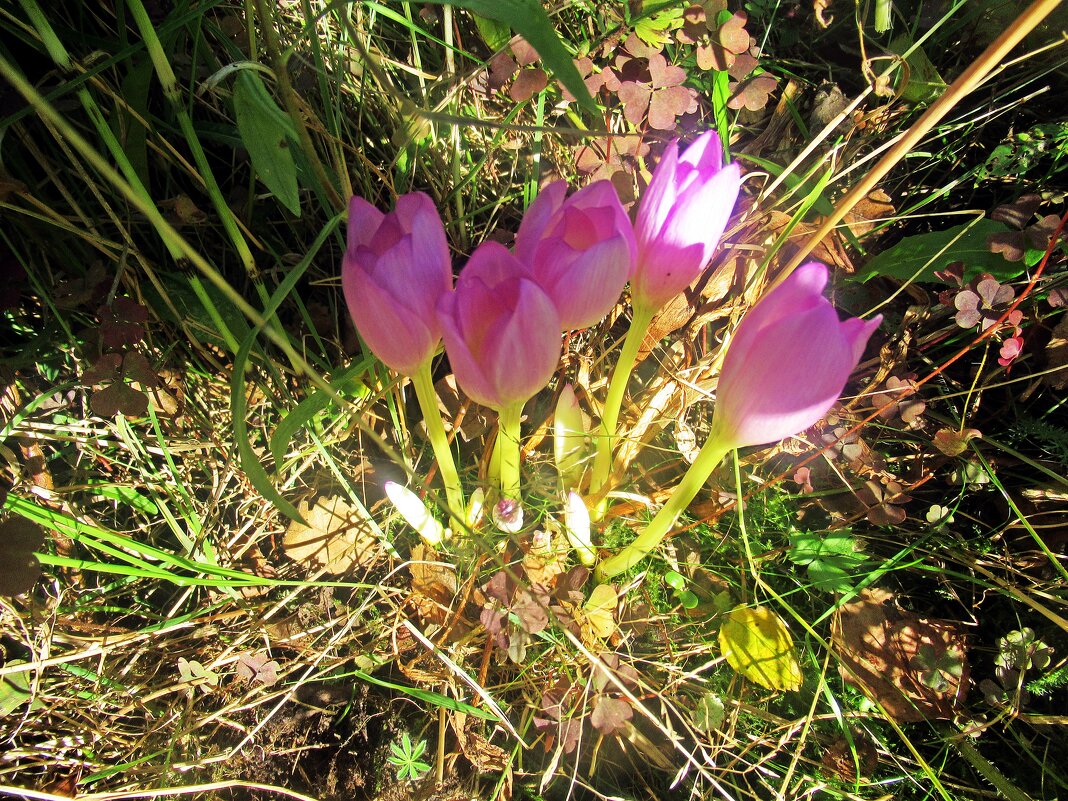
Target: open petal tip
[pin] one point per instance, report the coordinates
(364, 221)
(857, 332)
(705, 153)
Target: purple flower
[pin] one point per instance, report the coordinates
(787, 363)
(502, 332)
(681, 218)
(580, 249)
(396, 269)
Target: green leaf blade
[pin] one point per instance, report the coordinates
(266, 133)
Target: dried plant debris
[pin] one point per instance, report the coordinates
(916, 669)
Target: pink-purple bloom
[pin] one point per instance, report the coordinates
(681, 218)
(501, 331)
(787, 362)
(396, 269)
(580, 249)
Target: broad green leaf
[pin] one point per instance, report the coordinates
(15, 690)
(655, 29)
(251, 463)
(709, 713)
(924, 83)
(831, 560)
(301, 414)
(528, 18)
(757, 644)
(266, 133)
(917, 258)
(495, 34)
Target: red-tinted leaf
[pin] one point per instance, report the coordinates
(525, 55)
(118, 397)
(663, 74)
(667, 104)
(257, 667)
(732, 34)
(752, 93)
(635, 100)
(741, 66)
(623, 671)
(1010, 349)
(1010, 244)
(107, 368)
(710, 56)
(528, 83)
(570, 732)
(611, 715)
(121, 323)
(1018, 213)
(1042, 231)
(136, 368)
(500, 70)
(492, 620)
(19, 568)
(694, 26)
(532, 611)
(500, 587)
(639, 49)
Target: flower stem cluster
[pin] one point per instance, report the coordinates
(501, 324)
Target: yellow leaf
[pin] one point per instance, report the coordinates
(757, 644)
(598, 612)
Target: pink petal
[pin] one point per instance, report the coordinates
(364, 220)
(522, 359)
(702, 211)
(664, 270)
(400, 340)
(706, 153)
(537, 218)
(659, 197)
(465, 365)
(787, 363)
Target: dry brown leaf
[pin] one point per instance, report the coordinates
(875, 207)
(544, 558)
(469, 420)
(1057, 356)
(829, 250)
(843, 757)
(483, 754)
(336, 539)
(434, 585)
(917, 669)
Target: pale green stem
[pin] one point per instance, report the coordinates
(494, 471)
(712, 453)
(508, 448)
(617, 388)
(435, 430)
